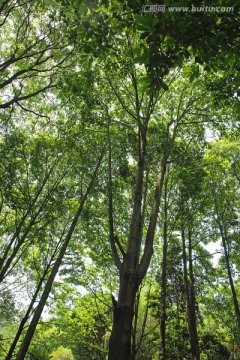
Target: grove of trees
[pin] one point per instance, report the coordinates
(119, 180)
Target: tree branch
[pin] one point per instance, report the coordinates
(112, 237)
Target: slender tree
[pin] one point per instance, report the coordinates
(47, 289)
(225, 204)
(163, 294)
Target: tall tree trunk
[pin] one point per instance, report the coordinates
(123, 308)
(190, 296)
(194, 333)
(162, 351)
(120, 340)
(228, 267)
(132, 269)
(131, 275)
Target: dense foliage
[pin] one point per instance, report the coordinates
(119, 181)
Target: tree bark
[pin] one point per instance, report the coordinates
(134, 327)
(228, 267)
(123, 312)
(131, 270)
(190, 296)
(162, 351)
(194, 333)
